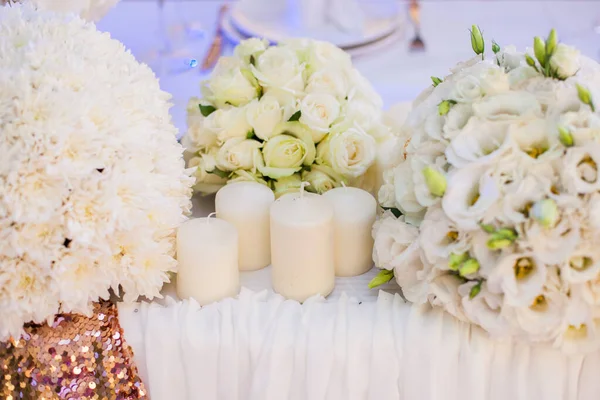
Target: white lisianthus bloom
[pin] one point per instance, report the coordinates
(485, 309)
(284, 155)
(455, 121)
(228, 123)
(329, 80)
(464, 65)
(512, 106)
(250, 48)
(487, 258)
(582, 266)
(531, 138)
(470, 193)
(349, 153)
(494, 81)
(467, 90)
(565, 61)
(439, 237)
(443, 292)
(580, 332)
(318, 111)
(520, 277)
(287, 184)
(509, 58)
(593, 212)
(543, 319)
(264, 116)
(321, 178)
(279, 67)
(386, 196)
(413, 274)
(238, 153)
(520, 193)
(428, 155)
(583, 125)
(231, 83)
(406, 199)
(554, 245)
(579, 169)
(518, 76)
(392, 237)
(479, 141)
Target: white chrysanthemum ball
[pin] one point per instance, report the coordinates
(92, 179)
(90, 10)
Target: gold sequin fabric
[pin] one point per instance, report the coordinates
(75, 358)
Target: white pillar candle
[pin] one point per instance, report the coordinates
(302, 246)
(246, 205)
(207, 254)
(354, 215)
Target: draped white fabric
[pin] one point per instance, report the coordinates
(262, 347)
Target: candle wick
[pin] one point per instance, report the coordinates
(344, 185)
(210, 215)
(302, 186)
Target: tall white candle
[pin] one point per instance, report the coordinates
(246, 205)
(354, 215)
(302, 246)
(207, 253)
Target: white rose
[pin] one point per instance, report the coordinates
(231, 83)
(279, 68)
(242, 175)
(485, 309)
(509, 58)
(320, 55)
(479, 141)
(520, 277)
(392, 237)
(329, 80)
(494, 81)
(250, 48)
(206, 181)
(579, 169)
(238, 153)
(470, 193)
(284, 155)
(439, 237)
(264, 116)
(349, 153)
(197, 137)
(365, 114)
(287, 184)
(318, 111)
(228, 123)
(361, 89)
(321, 178)
(467, 90)
(565, 61)
(511, 106)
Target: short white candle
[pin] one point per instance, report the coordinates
(246, 205)
(207, 254)
(302, 246)
(354, 215)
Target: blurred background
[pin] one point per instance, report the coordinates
(397, 45)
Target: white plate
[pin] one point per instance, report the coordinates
(235, 36)
(277, 29)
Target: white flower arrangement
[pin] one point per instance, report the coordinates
(494, 203)
(280, 115)
(92, 179)
(90, 10)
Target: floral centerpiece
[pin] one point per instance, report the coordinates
(493, 208)
(92, 179)
(90, 10)
(280, 115)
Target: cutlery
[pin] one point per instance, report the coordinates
(414, 11)
(216, 47)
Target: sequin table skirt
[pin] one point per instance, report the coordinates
(76, 358)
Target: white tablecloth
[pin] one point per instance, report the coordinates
(261, 347)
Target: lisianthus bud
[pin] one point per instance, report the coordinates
(444, 106)
(539, 49)
(435, 180)
(551, 42)
(530, 61)
(384, 276)
(475, 290)
(477, 42)
(469, 267)
(545, 212)
(495, 47)
(585, 96)
(501, 238)
(436, 81)
(565, 137)
(456, 259)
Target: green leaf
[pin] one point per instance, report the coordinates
(384, 276)
(252, 60)
(206, 110)
(475, 290)
(220, 173)
(296, 116)
(488, 228)
(436, 81)
(397, 213)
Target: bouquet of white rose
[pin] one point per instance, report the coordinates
(280, 115)
(499, 188)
